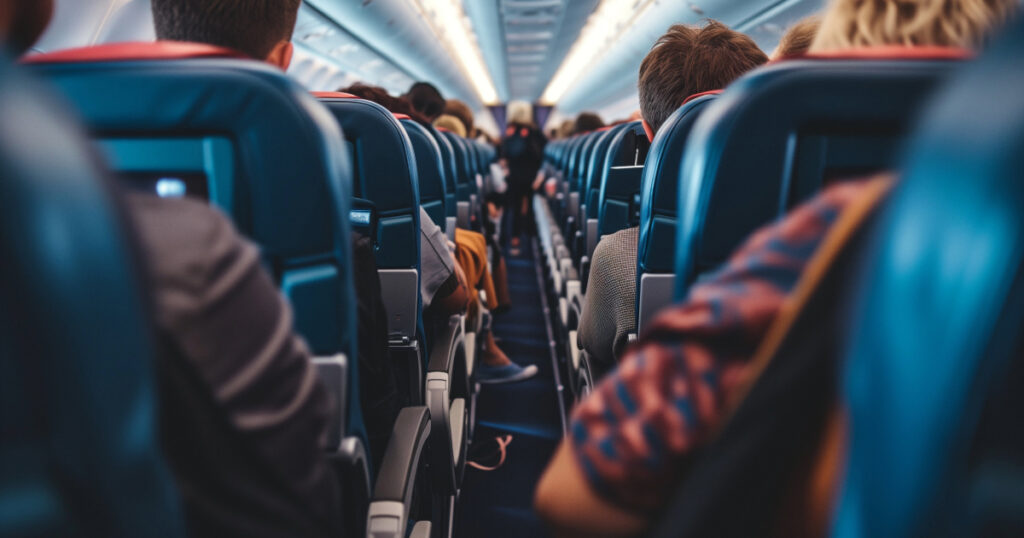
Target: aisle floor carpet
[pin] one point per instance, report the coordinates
(499, 503)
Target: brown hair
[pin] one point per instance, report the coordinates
(689, 60)
(454, 107)
(253, 27)
(586, 122)
(426, 100)
(798, 38)
(947, 23)
(22, 23)
(383, 98)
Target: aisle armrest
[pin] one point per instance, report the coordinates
(393, 493)
(446, 387)
(462, 214)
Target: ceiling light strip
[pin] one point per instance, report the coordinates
(447, 20)
(604, 27)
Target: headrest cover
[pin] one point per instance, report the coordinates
(126, 52)
(334, 95)
(888, 52)
(401, 116)
(701, 94)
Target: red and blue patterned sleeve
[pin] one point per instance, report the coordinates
(632, 436)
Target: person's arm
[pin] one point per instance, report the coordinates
(569, 504)
(632, 438)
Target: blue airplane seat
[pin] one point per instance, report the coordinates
(620, 180)
(79, 453)
(384, 172)
(779, 134)
(463, 180)
(450, 170)
(659, 198)
(200, 120)
(935, 358)
(429, 169)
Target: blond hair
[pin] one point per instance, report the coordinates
(451, 123)
(519, 112)
(946, 23)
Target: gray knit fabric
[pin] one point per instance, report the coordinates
(609, 306)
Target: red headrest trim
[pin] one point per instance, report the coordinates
(605, 128)
(401, 116)
(701, 94)
(125, 52)
(442, 129)
(334, 95)
(889, 52)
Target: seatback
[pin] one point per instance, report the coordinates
(659, 198)
(266, 152)
(429, 170)
(79, 453)
(934, 362)
(595, 164)
(384, 172)
(777, 135)
(620, 179)
(450, 169)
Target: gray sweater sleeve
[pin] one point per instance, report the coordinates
(609, 306)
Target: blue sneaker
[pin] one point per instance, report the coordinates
(509, 373)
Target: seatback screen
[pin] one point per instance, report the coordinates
(169, 184)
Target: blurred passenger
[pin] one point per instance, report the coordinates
(687, 60)
(383, 98)
(798, 38)
(454, 107)
(633, 437)
(586, 122)
(523, 150)
(450, 123)
(425, 99)
(565, 128)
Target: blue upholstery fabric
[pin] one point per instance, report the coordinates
(773, 138)
(659, 189)
(291, 182)
(619, 187)
(463, 174)
(384, 172)
(429, 170)
(933, 367)
(79, 454)
(450, 169)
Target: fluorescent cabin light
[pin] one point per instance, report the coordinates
(448, 21)
(608, 22)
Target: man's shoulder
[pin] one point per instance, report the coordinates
(618, 248)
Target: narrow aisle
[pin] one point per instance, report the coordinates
(499, 503)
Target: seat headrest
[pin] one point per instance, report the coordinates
(888, 52)
(701, 94)
(134, 51)
(334, 95)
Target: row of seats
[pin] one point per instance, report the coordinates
(274, 159)
(724, 164)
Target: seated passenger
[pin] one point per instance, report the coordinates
(685, 61)
(798, 38)
(426, 100)
(383, 98)
(454, 107)
(450, 123)
(631, 440)
(587, 122)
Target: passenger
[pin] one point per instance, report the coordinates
(450, 123)
(425, 99)
(523, 150)
(797, 40)
(586, 122)
(454, 107)
(383, 98)
(687, 60)
(631, 439)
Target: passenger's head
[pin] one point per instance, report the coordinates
(22, 22)
(519, 112)
(947, 23)
(586, 122)
(798, 38)
(454, 107)
(451, 123)
(426, 100)
(261, 29)
(383, 98)
(688, 60)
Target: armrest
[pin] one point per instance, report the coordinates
(333, 373)
(449, 228)
(422, 529)
(462, 214)
(446, 388)
(392, 495)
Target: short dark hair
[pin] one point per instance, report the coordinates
(688, 60)
(27, 20)
(253, 27)
(383, 98)
(798, 38)
(586, 122)
(426, 100)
